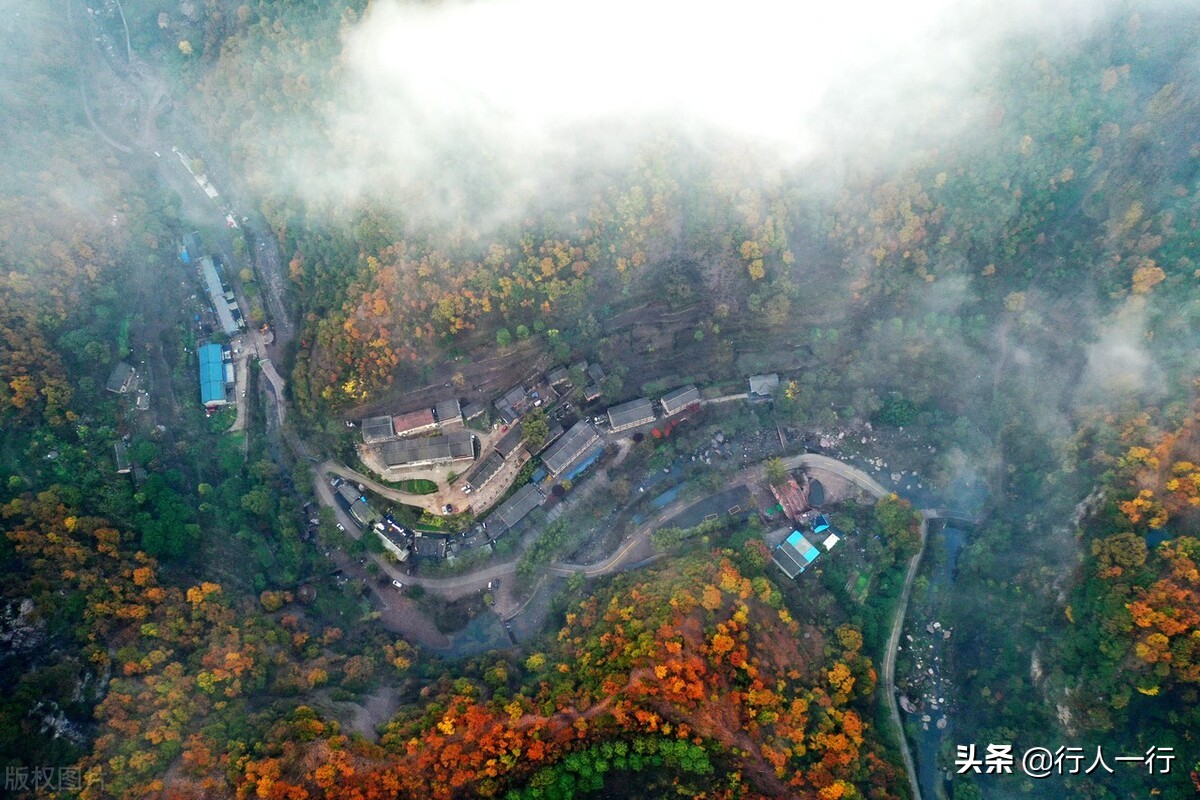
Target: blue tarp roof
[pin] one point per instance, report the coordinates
(212, 374)
(803, 546)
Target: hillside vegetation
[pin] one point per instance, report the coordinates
(1012, 281)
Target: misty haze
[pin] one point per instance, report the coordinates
(523, 399)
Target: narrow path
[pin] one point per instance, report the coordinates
(889, 661)
(888, 686)
(728, 398)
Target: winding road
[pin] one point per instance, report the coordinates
(889, 661)
(635, 550)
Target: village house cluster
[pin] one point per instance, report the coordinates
(484, 442)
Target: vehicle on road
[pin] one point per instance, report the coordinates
(397, 584)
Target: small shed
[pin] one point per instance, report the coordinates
(448, 412)
(122, 454)
(120, 379)
(377, 429)
(762, 387)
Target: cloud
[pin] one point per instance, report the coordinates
(483, 107)
(1119, 366)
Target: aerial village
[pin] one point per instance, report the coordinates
(475, 465)
(477, 456)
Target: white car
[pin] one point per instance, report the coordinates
(397, 584)
(341, 527)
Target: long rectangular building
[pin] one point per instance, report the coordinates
(216, 293)
(486, 470)
(572, 445)
(444, 449)
(631, 414)
(512, 441)
(393, 541)
(213, 391)
(552, 435)
(514, 509)
(678, 400)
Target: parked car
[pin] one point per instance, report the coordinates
(341, 527)
(397, 584)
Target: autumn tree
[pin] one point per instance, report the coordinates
(776, 472)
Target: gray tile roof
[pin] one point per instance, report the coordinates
(560, 454)
(119, 378)
(454, 446)
(764, 384)
(514, 509)
(486, 470)
(430, 546)
(635, 412)
(676, 401)
(448, 411)
(511, 441)
(377, 429)
(515, 395)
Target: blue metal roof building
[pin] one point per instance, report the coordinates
(212, 375)
(795, 554)
(582, 466)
